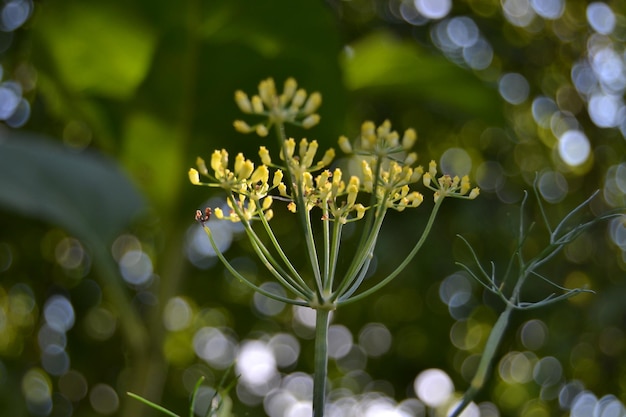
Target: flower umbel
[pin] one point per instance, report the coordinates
(317, 191)
(293, 106)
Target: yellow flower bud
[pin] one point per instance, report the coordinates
(239, 160)
(290, 147)
(393, 140)
(436, 196)
(261, 130)
(264, 154)
(432, 169)
(427, 179)
(291, 207)
(241, 126)
(337, 178)
(218, 213)
(307, 181)
(409, 138)
(344, 144)
(311, 121)
(246, 169)
(257, 104)
(323, 178)
(415, 199)
(465, 185)
(260, 175)
(269, 214)
(219, 161)
(194, 177)
(282, 189)
(201, 166)
(410, 158)
(417, 174)
(313, 103)
(278, 177)
(353, 189)
(298, 99)
(474, 193)
(243, 102)
(329, 155)
(288, 91)
(384, 128)
(307, 158)
(360, 211)
(368, 177)
(267, 202)
(267, 91)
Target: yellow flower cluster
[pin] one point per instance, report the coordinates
(294, 106)
(252, 185)
(385, 156)
(386, 164)
(447, 186)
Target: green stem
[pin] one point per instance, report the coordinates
(322, 322)
(243, 279)
(302, 213)
(409, 258)
(484, 367)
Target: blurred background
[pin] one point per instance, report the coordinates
(107, 284)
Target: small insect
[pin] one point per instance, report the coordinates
(202, 218)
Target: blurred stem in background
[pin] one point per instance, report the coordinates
(517, 273)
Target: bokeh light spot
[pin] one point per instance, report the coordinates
(100, 323)
(543, 108)
(339, 341)
(59, 313)
(177, 314)
(20, 115)
(433, 9)
(286, 349)
(268, 306)
(455, 161)
(14, 14)
(73, 385)
(490, 176)
(517, 367)
(462, 31)
(256, 363)
(215, 347)
(37, 391)
(104, 399)
(601, 18)
(548, 9)
(533, 334)
(375, 339)
(434, 387)
(479, 55)
(513, 88)
(548, 371)
(552, 186)
(574, 147)
(136, 267)
(9, 100)
(603, 109)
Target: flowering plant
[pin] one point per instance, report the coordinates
(314, 189)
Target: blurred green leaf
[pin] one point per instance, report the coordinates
(384, 65)
(85, 193)
(97, 47)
